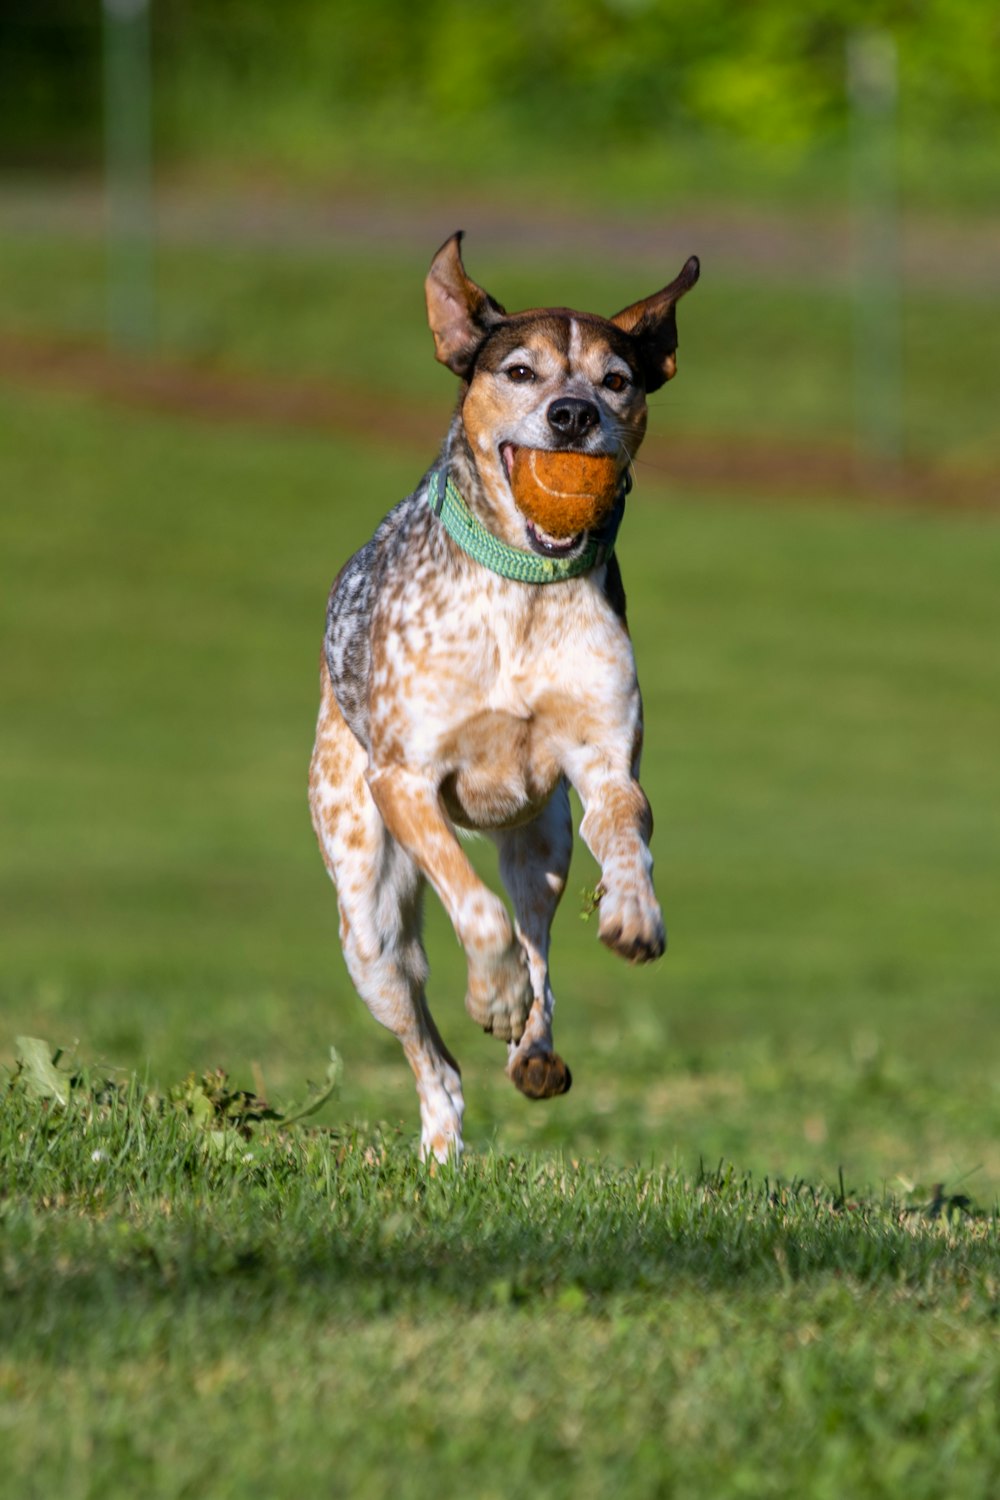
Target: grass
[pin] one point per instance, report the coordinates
(585, 1308)
(358, 318)
(313, 1307)
(820, 691)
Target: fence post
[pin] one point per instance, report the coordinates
(872, 79)
(128, 173)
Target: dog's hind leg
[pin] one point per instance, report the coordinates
(379, 893)
(534, 861)
(499, 995)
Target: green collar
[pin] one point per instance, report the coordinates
(513, 562)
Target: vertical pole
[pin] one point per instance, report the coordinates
(872, 77)
(128, 169)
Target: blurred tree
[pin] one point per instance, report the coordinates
(50, 80)
(622, 71)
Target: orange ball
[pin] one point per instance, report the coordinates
(564, 493)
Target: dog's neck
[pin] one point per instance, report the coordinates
(459, 460)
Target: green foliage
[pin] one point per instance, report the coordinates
(590, 900)
(50, 81)
(211, 1110)
(211, 1102)
(37, 1072)
(624, 68)
(310, 82)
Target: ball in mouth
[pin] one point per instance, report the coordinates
(560, 493)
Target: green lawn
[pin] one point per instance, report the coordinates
(823, 717)
(582, 1311)
(768, 358)
(319, 1313)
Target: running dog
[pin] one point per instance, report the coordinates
(476, 664)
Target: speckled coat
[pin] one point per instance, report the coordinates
(453, 698)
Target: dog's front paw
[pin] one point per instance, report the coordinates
(499, 996)
(540, 1075)
(632, 924)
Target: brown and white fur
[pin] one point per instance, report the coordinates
(455, 698)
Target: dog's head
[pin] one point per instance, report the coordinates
(543, 386)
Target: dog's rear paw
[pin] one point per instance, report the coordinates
(499, 995)
(541, 1075)
(632, 927)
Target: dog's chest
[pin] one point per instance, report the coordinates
(495, 689)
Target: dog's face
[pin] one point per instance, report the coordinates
(549, 379)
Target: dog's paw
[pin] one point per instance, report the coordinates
(441, 1146)
(541, 1075)
(632, 925)
(499, 996)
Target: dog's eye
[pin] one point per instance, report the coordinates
(614, 380)
(520, 374)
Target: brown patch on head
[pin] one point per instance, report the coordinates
(542, 332)
(494, 402)
(564, 493)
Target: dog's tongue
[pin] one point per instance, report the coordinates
(563, 493)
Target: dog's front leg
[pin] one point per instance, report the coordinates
(616, 828)
(499, 993)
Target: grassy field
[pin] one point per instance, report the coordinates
(765, 356)
(320, 1313)
(585, 1309)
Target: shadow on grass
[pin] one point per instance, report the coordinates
(368, 1232)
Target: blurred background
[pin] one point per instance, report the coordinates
(214, 224)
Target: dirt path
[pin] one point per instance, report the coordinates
(764, 470)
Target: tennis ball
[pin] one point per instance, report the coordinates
(564, 493)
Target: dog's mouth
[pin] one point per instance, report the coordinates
(540, 541)
(551, 546)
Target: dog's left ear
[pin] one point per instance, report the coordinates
(653, 324)
(460, 313)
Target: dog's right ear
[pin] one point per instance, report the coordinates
(460, 313)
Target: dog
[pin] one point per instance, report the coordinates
(477, 664)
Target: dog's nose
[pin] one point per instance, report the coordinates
(570, 417)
